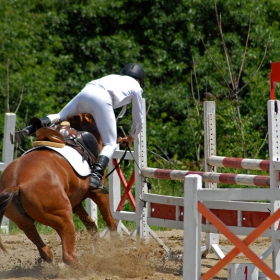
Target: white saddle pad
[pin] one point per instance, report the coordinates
(72, 156)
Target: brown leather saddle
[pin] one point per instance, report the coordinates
(82, 141)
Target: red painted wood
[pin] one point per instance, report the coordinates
(253, 219)
(264, 165)
(163, 211)
(163, 173)
(232, 162)
(262, 181)
(228, 217)
(125, 185)
(227, 178)
(274, 78)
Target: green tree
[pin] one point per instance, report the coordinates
(51, 49)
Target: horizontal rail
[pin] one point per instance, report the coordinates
(209, 177)
(242, 163)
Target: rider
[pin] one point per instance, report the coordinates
(99, 98)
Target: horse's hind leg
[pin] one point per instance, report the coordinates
(44, 250)
(26, 224)
(62, 222)
(59, 217)
(64, 226)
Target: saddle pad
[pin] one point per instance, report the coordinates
(72, 156)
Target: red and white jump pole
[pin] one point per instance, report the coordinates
(208, 177)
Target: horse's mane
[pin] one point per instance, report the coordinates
(84, 122)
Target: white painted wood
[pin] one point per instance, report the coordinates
(5, 225)
(209, 138)
(238, 271)
(140, 147)
(274, 154)
(128, 156)
(191, 256)
(7, 154)
(153, 234)
(124, 228)
(163, 199)
(92, 210)
(276, 165)
(104, 232)
(265, 255)
(125, 215)
(217, 250)
(238, 194)
(115, 188)
(8, 147)
(251, 164)
(238, 205)
(238, 230)
(210, 150)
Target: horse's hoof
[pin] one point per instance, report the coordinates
(46, 254)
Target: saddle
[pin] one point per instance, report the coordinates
(59, 136)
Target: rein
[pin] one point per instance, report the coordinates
(122, 158)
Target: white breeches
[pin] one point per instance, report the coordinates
(97, 102)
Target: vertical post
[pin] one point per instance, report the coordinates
(140, 149)
(114, 191)
(209, 138)
(7, 154)
(274, 154)
(8, 147)
(91, 208)
(210, 150)
(192, 228)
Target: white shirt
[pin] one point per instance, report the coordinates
(124, 90)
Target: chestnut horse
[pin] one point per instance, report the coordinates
(42, 186)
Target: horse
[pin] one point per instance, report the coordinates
(42, 186)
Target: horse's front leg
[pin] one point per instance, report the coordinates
(102, 201)
(86, 219)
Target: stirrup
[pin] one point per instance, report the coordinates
(96, 186)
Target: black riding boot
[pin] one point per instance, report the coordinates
(35, 123)
(97, 172)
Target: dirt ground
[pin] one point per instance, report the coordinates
(109, 258)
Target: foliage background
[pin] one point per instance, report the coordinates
(50, 49)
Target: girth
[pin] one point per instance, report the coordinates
(82, 141)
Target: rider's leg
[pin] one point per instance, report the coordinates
(107, 129)
(46, 121)
(35, 123)
(98, 102)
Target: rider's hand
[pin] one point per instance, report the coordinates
(128, 140)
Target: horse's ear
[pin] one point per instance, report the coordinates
(89, 118)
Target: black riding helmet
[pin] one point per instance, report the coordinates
(136, 71)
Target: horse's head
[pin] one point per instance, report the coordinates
(85, 122)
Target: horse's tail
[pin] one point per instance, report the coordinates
(6, 197)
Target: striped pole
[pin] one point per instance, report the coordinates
(242, 163)
(210, 177)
